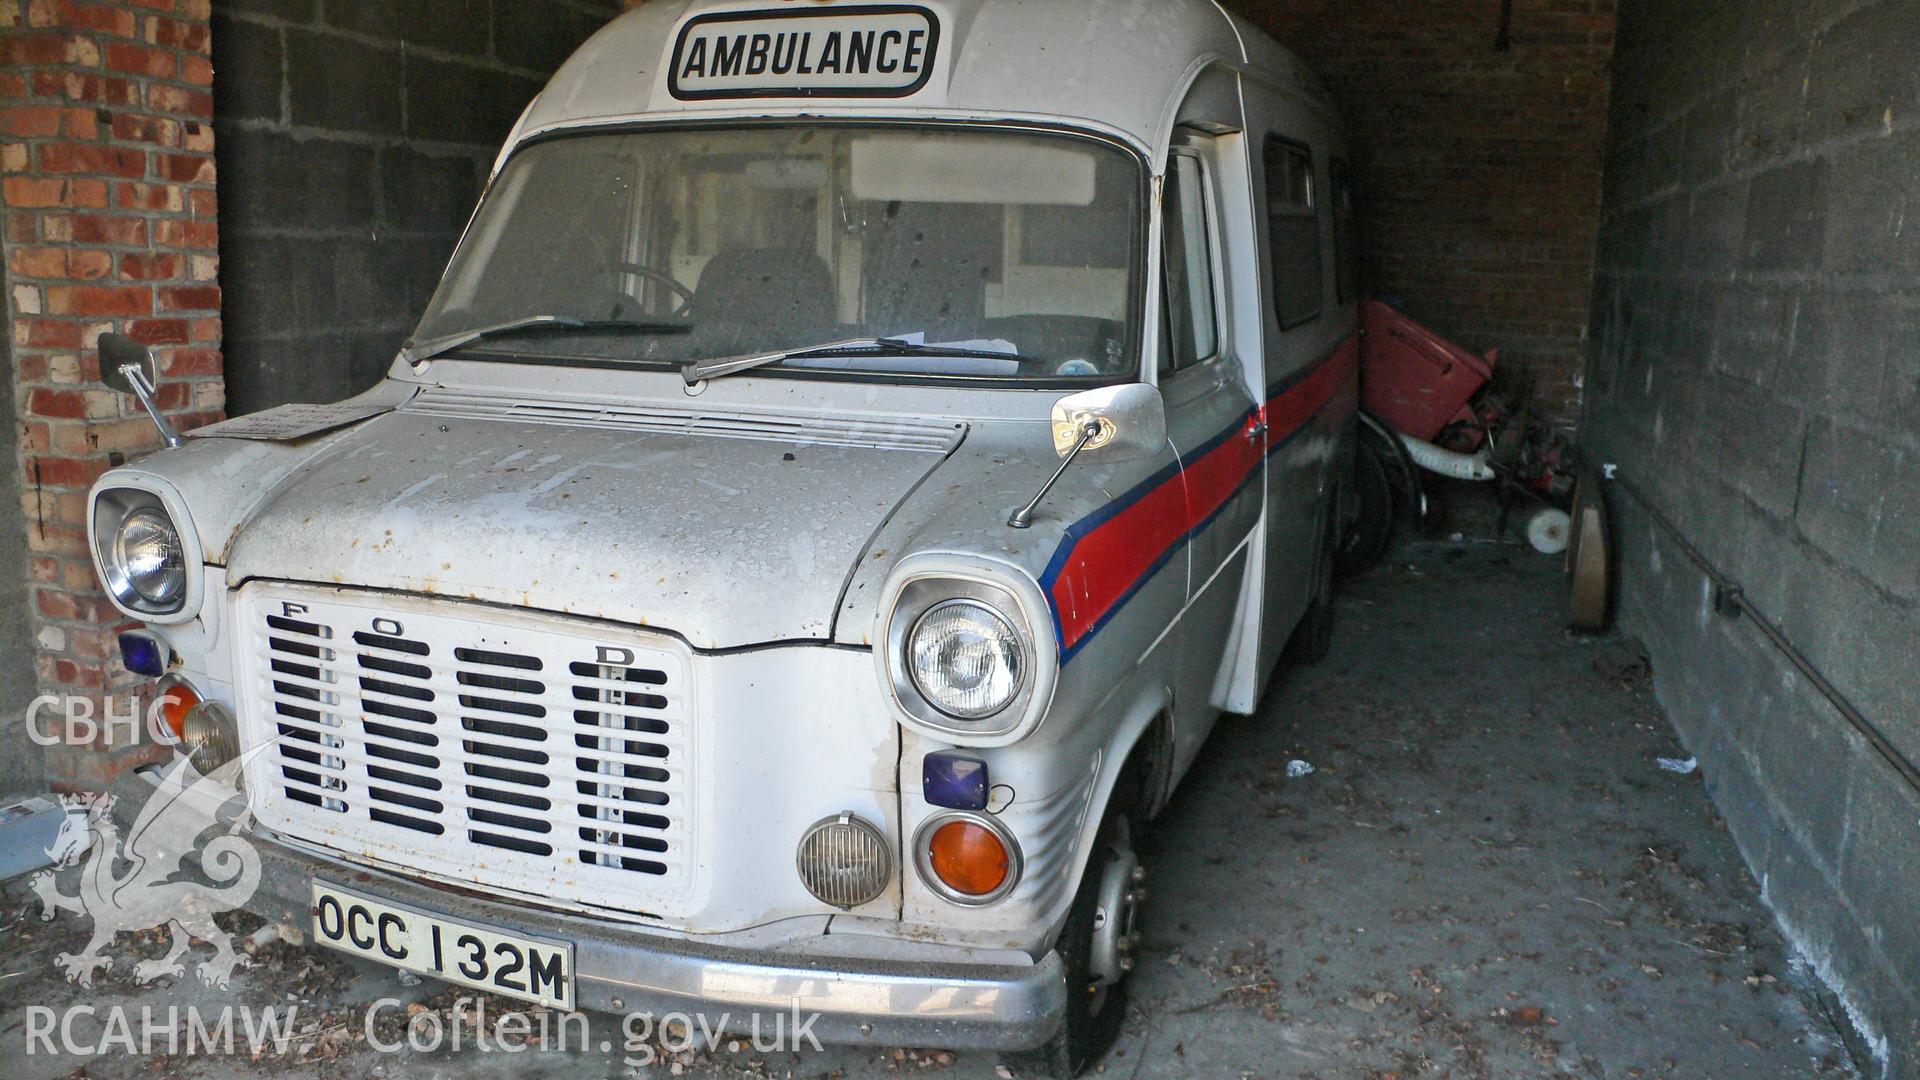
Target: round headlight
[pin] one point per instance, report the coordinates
(966, 659)
(845, 862)
(147, 561)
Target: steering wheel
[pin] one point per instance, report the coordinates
(661, 277)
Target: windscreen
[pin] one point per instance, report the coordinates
(991, 253)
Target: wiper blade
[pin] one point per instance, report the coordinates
(419, 353)
(702, 370)
(733, 365)
(422, 351)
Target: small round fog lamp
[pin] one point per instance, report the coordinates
(845, 862)
(209, 737)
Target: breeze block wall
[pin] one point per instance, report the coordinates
(355, 136)
(1756, 373)
(107, 178)
(1477, 163)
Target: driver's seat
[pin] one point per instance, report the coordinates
(785, 292)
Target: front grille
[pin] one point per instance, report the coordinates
(532, 754)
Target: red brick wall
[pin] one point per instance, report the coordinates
(107, 181)
(1477, 170)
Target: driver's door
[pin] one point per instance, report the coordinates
(1214, 426)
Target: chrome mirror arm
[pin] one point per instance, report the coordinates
(137, 379)
(1023, 517)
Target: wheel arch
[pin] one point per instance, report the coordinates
(1142, 745)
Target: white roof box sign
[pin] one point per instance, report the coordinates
(846, 51)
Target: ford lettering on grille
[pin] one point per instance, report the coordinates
(533, 754)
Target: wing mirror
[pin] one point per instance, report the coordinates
(1114, 423)
(128, 367)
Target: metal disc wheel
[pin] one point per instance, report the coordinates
(1097, 946)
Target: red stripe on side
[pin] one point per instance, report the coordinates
(1105, 565)
(1295, 407)
(1214, 479)
(1106, 562)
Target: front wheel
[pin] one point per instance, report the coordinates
(1098, 946)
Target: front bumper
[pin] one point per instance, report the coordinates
(623, 969)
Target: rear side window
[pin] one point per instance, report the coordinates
(1293, 226)
(1189, 333)
(1346, 272)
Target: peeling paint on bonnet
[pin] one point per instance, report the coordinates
(725, 541)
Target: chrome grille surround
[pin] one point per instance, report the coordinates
(530, 754)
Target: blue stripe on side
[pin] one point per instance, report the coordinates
(1079, 529)
(1120, 604)
(1088, 524)
(1290, 381)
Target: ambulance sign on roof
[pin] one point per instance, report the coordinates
(880, 50)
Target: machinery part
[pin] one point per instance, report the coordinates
(1589, 558)
(1409, 491)
(1412, 377)
(1374, 511)
(1549, 529)
(1446, 462)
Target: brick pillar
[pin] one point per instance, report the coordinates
(107, 172)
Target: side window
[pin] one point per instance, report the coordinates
(1346, 271)
(1293, 226)
(1188, 331)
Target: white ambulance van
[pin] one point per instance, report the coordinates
(855, 453)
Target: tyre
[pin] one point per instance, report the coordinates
(1097, 946)
(1370, 524)
(1589, 562)
(1312, 639)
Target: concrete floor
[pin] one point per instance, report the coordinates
(1487, 874)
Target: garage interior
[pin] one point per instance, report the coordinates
(1682, 223)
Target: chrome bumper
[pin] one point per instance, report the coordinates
(623, 969)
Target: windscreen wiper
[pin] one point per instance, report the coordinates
(703, 370)
(421, 352)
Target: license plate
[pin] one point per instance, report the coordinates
(512, 965)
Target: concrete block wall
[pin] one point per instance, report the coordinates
(107, 178)
(1756, 371)
(355, 135)
(1477, 169)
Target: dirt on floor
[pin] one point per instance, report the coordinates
(1479, 867)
